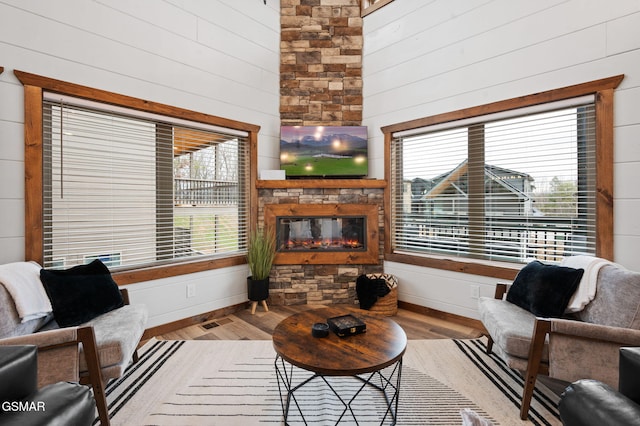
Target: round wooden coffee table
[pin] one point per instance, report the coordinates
(373, 358)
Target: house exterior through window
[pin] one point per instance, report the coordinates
(511, 190)
(509, 182)
(149, 189)
(138, 191)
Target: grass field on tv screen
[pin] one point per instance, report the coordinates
(326, 166)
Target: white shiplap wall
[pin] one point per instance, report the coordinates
(428, 57)
(219, 57)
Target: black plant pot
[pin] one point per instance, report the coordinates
(257, 289)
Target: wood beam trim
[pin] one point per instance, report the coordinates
(604, 174)
(253, 179)
(33, 187)
(89, 93)
(473, 268)
(554, 95)
(174, 269)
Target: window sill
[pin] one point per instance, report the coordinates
(499, 270)
(165, 271)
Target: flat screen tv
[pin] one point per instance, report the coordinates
(324, 151)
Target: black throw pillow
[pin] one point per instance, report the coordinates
(81, 293)
(544, 290)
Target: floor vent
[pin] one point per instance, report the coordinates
(216, 323)
(209, 325)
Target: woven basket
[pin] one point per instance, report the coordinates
(386, 305)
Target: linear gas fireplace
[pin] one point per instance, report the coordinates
(318, 233)
(324, 233)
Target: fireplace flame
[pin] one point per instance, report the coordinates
(327, 244)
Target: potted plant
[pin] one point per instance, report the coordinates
(261, 251)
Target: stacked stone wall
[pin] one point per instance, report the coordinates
(320, 62)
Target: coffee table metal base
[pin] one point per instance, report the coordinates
(386, 382)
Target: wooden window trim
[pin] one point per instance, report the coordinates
(34, 87)
(367, 8)
(603, 90)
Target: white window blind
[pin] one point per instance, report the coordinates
(509, 188)
(138, 190)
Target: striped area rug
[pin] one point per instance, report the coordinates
(218, 382)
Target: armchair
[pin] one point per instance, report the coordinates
(92, 353)
(585, 346)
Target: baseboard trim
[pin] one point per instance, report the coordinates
(189, 321)
(458, 319)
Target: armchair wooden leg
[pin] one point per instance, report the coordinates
(527, 394)
(489, 345)
(88, 339)
(540, 331)
(101, 404)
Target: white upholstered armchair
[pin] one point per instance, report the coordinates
(586, 345)
(91, 353)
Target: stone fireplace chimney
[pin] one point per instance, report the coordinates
(320, 62)
(320, 84)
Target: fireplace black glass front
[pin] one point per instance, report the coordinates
(321, 233)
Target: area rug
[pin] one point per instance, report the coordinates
(220, 382)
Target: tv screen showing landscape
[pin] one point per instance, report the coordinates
(323, 151)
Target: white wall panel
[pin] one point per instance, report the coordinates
(11, 130)
(11, 102)
(627, 146)
(627, 100)
(161, 57)
(11, 249)
(626, 250)
(427, 58)
(218, 57)
(163, 15)
(627, 224)
(411, 25)
(442, 290)
(626, 178)
(537, 59)
(11, 222)
(11, 188)
(623, 34)
(166, 298)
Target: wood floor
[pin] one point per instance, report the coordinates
(244, 326)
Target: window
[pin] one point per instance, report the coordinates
(369, 6)
(146, 189)
(506, 182)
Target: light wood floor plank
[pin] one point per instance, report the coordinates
(244, 326)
